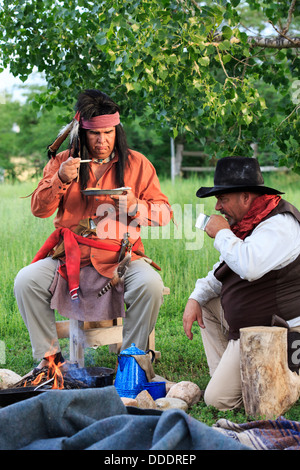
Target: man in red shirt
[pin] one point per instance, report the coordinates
(76, 185)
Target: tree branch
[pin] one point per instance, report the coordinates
(282, 34)
(289, 19)
(197, 6)
(223, 67)
(273, 42)
(294, 111)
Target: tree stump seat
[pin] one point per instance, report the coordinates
(269, 387)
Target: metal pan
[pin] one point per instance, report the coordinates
(9, 396)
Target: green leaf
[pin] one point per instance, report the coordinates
(227, 32)
(226, 58)
(100, 39)
(129, 86)
(204, 61)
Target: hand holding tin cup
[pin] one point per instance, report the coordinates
(211, 224)
(202, 221)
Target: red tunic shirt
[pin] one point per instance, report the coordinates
(72, 206)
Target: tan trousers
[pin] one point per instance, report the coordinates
(143, 297)
(224, 390)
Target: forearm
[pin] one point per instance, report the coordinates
(49, 192)
(206, 288)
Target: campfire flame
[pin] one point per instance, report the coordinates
(54, 373)
(38, 379)
(54, 370)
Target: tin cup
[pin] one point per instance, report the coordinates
(201, 221)
(156, 389)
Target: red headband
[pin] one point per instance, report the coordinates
(98, 122)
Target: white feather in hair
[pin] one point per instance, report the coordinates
(74, 131)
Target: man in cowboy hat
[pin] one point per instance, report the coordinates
(257, 276)
(96, 229)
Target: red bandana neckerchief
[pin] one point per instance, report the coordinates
(260, 208)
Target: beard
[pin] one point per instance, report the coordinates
(229, 219)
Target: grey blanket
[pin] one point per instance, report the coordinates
(96, 419)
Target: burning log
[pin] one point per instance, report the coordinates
(53, 380)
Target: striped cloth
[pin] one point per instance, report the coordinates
(279, 434)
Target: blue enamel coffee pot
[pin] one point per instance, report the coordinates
(130, 377)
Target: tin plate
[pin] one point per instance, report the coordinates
(98, 192)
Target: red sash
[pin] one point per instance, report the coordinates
(72, 253)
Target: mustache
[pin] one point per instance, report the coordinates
(223, 213)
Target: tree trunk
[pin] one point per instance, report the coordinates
(269, 387)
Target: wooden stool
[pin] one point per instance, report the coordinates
(93, 334)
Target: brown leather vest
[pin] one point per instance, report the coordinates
(254, 303)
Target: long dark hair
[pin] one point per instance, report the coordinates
(92, 103)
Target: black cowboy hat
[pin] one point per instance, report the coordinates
(235, 174)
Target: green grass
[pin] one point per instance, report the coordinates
(183, 254)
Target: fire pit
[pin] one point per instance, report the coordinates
(53, 377)
(93, 377)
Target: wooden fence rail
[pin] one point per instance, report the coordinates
(178, 168)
